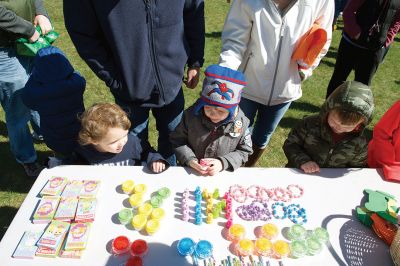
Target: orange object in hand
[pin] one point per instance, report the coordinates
(310, 46)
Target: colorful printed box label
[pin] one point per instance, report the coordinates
(86, 210)
(66, 209)
(26, 248)
(46, 208)
(54, 186)
(77, 236)
(73, 189)
(54, 235)
(90, 188)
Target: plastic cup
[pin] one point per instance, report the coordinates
(145, 209)
(186, 246)
(164, 192)
(269, 231)
(245, 247)
(203, 249)
(298, 249)
(320, 234)
(134, 261)
(120, 245)
(263, 246)
(139, 221)
(135, 200)
(297, 232)
(236, 232)
(152, 226)
(127, 186)
(157, 214)
(140, 189)
(125, 216)
(139, 248)
(313, 246)
(281, 248)
(156, 201)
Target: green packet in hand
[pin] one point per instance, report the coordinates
(26, 48)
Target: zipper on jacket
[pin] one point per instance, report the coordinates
(281, 31)
(153, 50)
(247, 61)
(329, 156)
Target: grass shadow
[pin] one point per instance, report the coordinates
(305, 107)
(214, 34)
(332, 53)
(289, 122)
(328, 63)
(3, 129)
(13, 177)
(6, 217)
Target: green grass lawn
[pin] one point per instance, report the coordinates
(386, 87)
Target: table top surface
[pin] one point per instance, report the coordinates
(330, 198)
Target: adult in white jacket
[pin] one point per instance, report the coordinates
(258, 38)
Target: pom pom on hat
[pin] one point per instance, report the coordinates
(222, 87)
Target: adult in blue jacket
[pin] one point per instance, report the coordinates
(18, 18)
(55, 90)
(140, 49)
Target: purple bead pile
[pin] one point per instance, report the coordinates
(255, 211)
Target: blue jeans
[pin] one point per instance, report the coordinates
(35, 122)
(14, 73)
(167, 118)
(268, 118)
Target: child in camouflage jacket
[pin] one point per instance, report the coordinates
(333, 138)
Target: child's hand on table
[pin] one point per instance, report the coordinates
(202, 169)
(214, 165)
(310, 167)
(158, 166)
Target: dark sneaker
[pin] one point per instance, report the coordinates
(32, 169)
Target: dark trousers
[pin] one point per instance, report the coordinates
(166, 118)
(364, 63)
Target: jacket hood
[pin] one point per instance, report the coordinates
(51, 65)
(352, 96)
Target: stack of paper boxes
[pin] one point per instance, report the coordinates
(69, 208)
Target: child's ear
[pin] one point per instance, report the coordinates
(93, 142)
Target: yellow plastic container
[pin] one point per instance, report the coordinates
(263, 247)
(140, 189)
(269, 231)
(139, 221)
(127, 186)
(245, 247)
(157, 214)
(236, 232)
(152, 226)
(145, 209)
(136, 200)
(281, 248)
